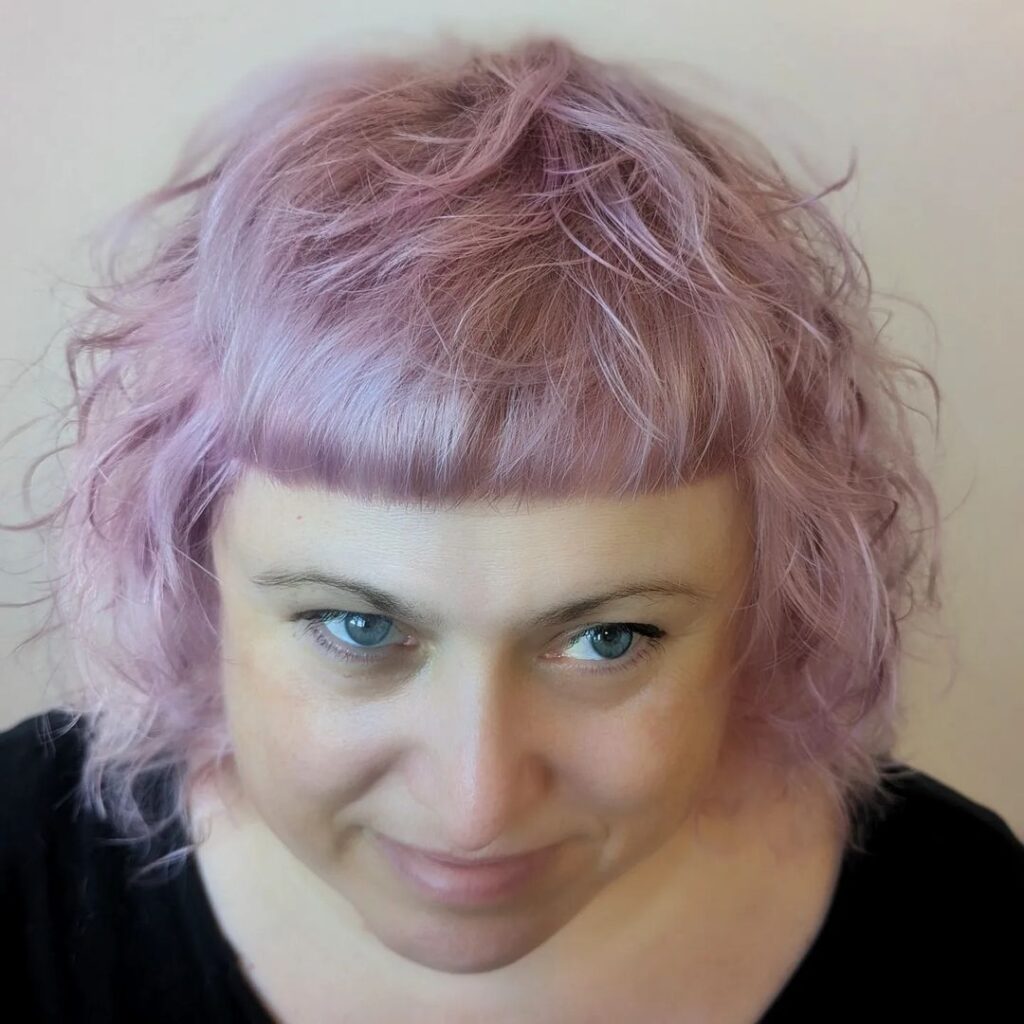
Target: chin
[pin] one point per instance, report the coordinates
(460, 943)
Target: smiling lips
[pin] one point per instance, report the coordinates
(461, 884)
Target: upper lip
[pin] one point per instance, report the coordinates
(448, 858)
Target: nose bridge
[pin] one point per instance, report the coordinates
(484, 764)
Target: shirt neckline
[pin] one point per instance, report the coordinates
(212, 936)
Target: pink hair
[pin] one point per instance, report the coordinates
(473, 275)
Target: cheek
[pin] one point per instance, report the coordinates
(650, 757)
(297, 758)
(659, 748)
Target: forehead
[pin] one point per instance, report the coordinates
(701, 522)
(486, 567)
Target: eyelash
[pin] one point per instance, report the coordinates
(653, 635)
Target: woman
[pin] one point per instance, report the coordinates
(494, 458)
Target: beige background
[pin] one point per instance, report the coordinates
(98, 96)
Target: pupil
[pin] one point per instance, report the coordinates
(600, 643)
(357, 628)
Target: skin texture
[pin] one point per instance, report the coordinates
(479, 736)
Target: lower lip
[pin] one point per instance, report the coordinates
(462, 886)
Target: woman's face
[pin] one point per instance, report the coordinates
(462, 722)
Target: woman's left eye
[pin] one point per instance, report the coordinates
(614, 641)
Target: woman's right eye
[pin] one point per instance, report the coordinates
(363, 629)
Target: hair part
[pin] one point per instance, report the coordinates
(469, 274)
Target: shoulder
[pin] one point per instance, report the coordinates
(45, 832)
(921, 913)
(40, 763)
(43, 743)
(929, 825)
(42, 838)
(95, 945)
(936, 889)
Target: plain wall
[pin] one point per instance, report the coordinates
(98, 97)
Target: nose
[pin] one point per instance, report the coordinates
(480, 767)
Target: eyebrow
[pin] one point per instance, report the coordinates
(396, 607)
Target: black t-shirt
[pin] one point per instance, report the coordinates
(924, 925)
